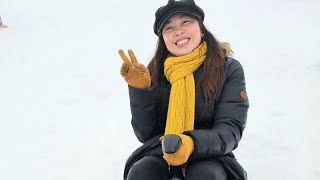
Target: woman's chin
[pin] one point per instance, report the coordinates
(182, 52)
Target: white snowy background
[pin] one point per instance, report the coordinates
(64, 108)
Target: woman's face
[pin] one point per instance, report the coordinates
(181, 34)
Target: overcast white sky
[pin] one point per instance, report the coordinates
(64, 108)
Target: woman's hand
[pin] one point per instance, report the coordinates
(177, 148)
(134, 73)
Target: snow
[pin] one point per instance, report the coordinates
(64, 108)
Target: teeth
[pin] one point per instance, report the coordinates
(182, 41)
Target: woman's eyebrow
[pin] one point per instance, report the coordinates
(169, 21)
(182, 15)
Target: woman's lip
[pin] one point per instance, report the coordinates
(185, 40)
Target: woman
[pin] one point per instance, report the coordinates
(189, 107)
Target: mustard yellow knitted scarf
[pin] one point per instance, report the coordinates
(179, 72)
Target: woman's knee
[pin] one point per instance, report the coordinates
(149, 167)
(205, 170)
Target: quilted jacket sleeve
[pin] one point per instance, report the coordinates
(229, 119)
(143, 111)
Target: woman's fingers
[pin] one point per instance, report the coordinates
(132, 56)
(124, 69)
(142, 68)
(124, 57)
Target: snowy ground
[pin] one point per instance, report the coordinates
(64, 109)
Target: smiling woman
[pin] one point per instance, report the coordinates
(189, 106)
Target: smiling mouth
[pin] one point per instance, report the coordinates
(182, 41)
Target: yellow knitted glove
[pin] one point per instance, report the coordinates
(134, 73)
(181, 156)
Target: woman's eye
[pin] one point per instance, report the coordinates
(168, 28)
(186, 21)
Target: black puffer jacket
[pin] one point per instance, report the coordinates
(218, 126)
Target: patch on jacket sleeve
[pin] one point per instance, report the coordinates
(244, 95)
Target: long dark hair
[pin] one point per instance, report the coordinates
(211, 78)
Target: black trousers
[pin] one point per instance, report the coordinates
(156, 168)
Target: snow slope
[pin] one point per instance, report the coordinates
(64, 108)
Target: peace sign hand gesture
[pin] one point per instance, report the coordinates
(134, 73)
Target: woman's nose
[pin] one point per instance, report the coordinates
(179, 32)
